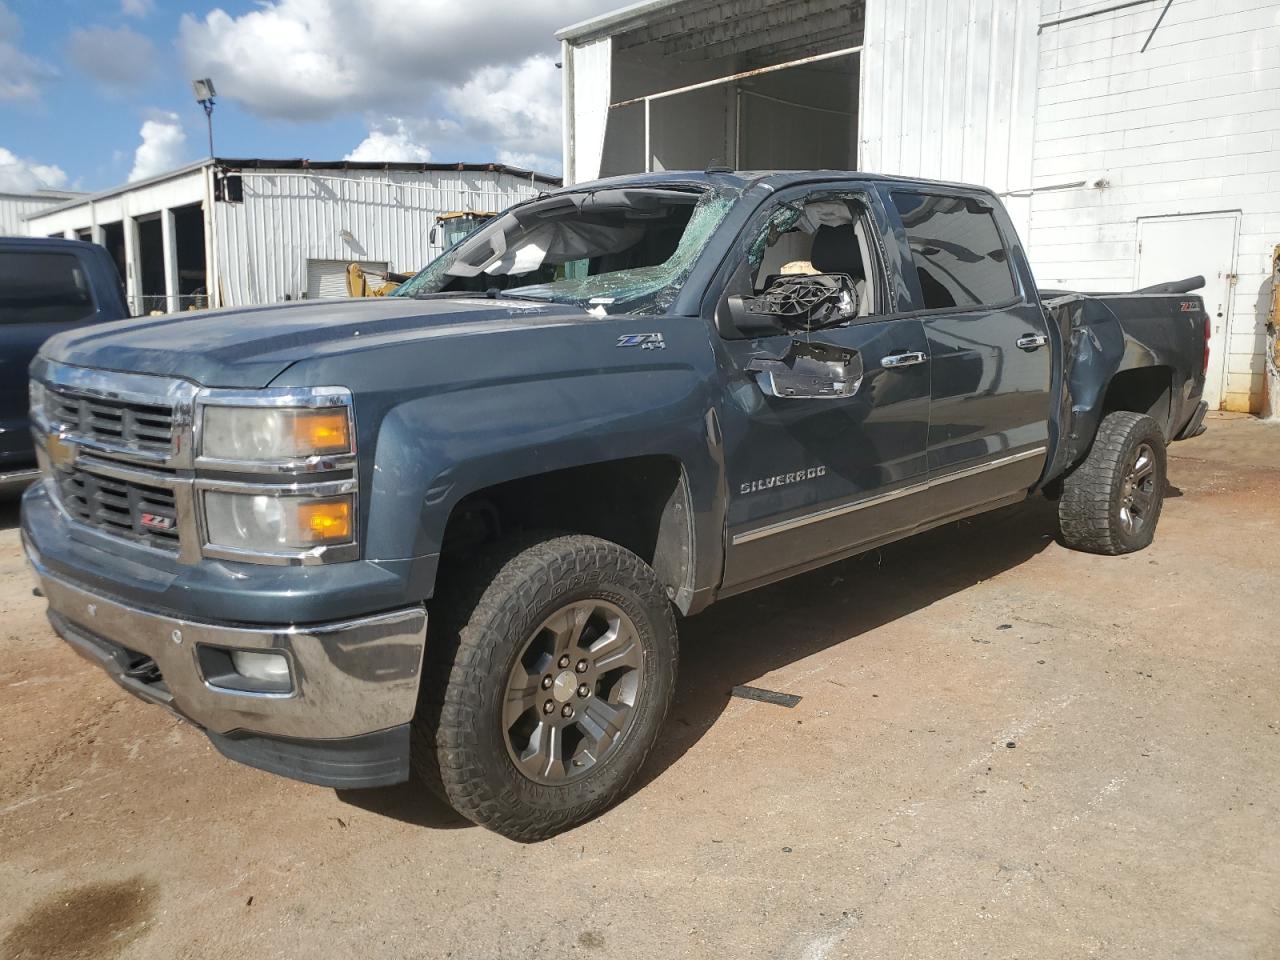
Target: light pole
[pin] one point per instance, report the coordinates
(204, 96)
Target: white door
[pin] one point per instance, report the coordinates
(1204, 244)
(328, 278)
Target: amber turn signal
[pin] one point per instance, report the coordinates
(326, 521)
(322, 431)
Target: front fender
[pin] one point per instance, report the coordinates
(433, 451)
(436, 422)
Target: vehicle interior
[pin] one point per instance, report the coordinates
(820, 236)
(573, 237)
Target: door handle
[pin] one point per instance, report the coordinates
(1032, 341)
(906, 359)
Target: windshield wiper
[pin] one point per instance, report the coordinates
(494, 293)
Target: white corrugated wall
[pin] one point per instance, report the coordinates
(948, 92)
(291, 216)
(15, 207)
(1190, 126)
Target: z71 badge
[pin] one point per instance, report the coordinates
(645, 341)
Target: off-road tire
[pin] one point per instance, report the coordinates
(483, 617)
(1093, 494)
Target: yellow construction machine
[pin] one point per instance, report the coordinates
(449, 228)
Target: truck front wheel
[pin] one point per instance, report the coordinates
(1111, 502)
(551, 665)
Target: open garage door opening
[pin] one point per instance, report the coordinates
(761, 86)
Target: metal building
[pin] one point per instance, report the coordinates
(1134, 140)
(16, 207)
(232, 232)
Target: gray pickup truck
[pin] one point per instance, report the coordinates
(606, 408)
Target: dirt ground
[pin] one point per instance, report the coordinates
(1004, 749)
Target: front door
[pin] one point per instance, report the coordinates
(813, 478)
(1201, 244)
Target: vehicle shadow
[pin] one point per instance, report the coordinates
(407, 802)
(744, 638)
(10, 507)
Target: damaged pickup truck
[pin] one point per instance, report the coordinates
(447, 534)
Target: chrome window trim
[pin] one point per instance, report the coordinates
(842, 509)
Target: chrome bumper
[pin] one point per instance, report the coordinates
(348, 678)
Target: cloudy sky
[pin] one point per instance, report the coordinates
(96, 92)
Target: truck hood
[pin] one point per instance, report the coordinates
(250, 347)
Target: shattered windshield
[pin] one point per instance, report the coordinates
(621, 245)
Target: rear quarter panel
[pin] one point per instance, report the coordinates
(1107, 335)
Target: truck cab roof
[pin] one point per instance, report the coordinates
(776, 179)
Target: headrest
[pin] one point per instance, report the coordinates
(836, 250)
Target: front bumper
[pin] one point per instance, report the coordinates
(354, 683)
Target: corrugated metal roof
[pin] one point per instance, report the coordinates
(760, 32)
(615, 21)
(299, 163)
(41, 194)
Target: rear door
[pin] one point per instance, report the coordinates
(989, 348)
(42, 292)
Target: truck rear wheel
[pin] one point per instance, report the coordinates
(1111, 502)
(552, 664)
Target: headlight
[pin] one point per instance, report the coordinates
(265, 523)
(36, 396)
(274, 433)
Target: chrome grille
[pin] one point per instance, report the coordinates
(116, 423)
(119, 507)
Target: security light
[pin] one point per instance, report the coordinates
(204, 96)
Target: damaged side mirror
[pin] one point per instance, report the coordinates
(804, 302)
(809, 370)
(747, 321)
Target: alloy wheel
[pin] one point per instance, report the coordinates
(572, 692)
(1138, 489)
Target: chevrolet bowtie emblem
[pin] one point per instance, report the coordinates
(61, 454)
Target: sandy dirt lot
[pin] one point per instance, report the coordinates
(1004, 749)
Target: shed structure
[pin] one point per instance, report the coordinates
(15, 207)
(239, 232)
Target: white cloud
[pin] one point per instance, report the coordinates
(119, 58)
(137, 8)
(304, 59)
(20, 74)
(529, 161)
(516, 108)
(163, 147)
(486, 64)
(23, 175)
(393, 143)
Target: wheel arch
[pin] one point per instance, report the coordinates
(642, 503)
